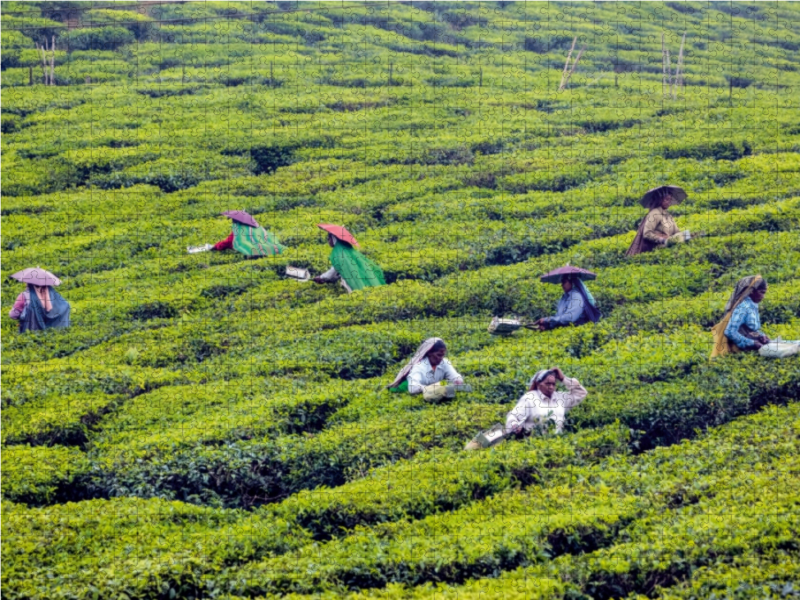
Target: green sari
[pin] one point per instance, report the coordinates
(357, 270)
(255, 241)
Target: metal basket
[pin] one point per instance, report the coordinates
(500, 326)
(297, 273)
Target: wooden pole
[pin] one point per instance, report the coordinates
(480, 81)
(53, 62)
(271, 80)
(663, 66)
(44, 63)
(669, 72)
(566, 64)
(572, 70)
(30, 75)
(679, 70)
(391, 72)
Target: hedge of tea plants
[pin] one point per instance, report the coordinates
(208, 428)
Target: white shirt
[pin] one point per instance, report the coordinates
(422, 374)
(535, 408)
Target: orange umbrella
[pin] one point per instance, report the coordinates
(340, 233)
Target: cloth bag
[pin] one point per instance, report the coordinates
(780, 349)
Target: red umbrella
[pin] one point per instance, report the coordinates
(36, 276)
(556, 275)
(241, 217)
(677, 193)
(340, 233)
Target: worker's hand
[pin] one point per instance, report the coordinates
(558, 372)
(459, 382)
(317, 280)
(757, 345)
(763, 339)
(542, 324)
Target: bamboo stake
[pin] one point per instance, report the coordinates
(575, 64)
(669, 72)
(679, 71)
(480, 82)
(44, 63)
(53, 62)
(663, 66)
(566, 64)
(30, 75)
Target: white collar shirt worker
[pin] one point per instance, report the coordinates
(422, 375)
(535, 408)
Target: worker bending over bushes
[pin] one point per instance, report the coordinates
(248, 237)
(351, 268)
(577, 305)
(538, 405)
(40, 306)
(427, 370)
(659, 228)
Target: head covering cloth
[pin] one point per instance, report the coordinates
(741, 291)
(36, 317)
(420, 354)
(589, 304)
(538, 378)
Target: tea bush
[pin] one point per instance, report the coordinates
(209, 428)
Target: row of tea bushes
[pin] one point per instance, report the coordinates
(677, 487)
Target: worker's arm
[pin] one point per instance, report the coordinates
(519, 414)
(329, 276)
(19, 307)
(571, 313)
(450, 373)
(226, 244)
(738, 318)
(415, 384)
(575, 393)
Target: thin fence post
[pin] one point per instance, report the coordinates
(53, 62)
(391, 73)
(480, 81)
(566, 64)
(44, 63)
(572, 70)
(663, 66)
(271, 80)
(30, 75)
(678, 70)
(183, 73)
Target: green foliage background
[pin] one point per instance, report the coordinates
(207, 428)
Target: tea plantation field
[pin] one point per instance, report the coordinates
(208, 428)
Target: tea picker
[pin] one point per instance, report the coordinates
(576, 306)
(247, 237)
(40, 306)
(351, 269)
(658, 228)
(740, 327)
(429, 373)
(539, 405)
